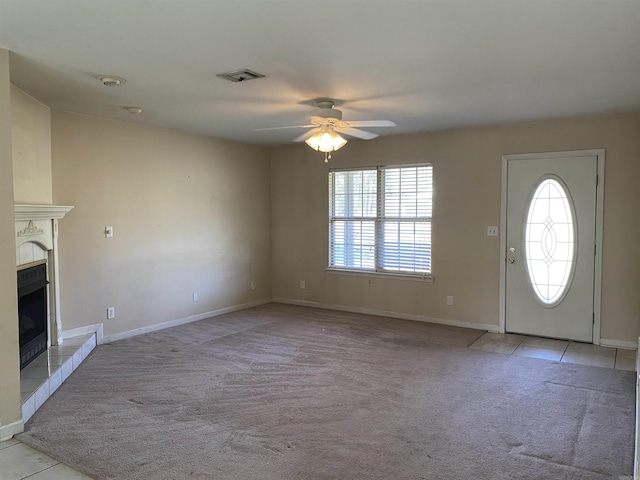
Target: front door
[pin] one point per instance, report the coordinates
(550, 243)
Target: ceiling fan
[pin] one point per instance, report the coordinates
(326, 124)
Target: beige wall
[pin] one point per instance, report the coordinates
(31, 141)
(189, 213)
(467, 181)
(9, 352)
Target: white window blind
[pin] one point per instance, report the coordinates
(380, 219)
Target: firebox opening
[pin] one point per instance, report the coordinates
(32, 312)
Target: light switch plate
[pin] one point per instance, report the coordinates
(492, 231)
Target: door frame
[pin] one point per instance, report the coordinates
(597, 287)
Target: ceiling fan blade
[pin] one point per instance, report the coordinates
(372, 123)
(354, 132)
(306, 135)
(282, 128)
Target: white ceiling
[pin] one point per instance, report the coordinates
(425, 64)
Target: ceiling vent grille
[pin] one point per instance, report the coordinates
(240, 75)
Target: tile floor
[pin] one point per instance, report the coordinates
(38, 381)
(556, 350)
(18, 461)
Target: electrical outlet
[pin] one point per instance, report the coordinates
(449, 300)
(253, 285)
(195, 296)
(303, 285)
(111, 313)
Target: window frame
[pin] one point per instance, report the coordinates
(379, 220)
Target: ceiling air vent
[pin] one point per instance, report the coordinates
(240, 75)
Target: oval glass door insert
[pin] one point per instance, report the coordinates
(550, 241)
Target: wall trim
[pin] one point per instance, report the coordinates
(181, 321)
(8, 431)
(384, 313)
(636, 463)
(97, 328)
(609, 342)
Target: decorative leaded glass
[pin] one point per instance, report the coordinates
(550, 241)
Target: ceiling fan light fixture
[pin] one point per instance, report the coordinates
(326, 140)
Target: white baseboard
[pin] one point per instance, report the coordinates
(636, 460)
(383, 313)
(8, 431)
(181, 321)
(607, 342)
(97, 328)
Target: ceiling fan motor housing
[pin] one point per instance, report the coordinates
(326, 114)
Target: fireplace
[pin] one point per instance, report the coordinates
(32, 312)
(36, 237)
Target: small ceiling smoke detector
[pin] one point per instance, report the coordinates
(133, 110)
(111, 80)
(240, 75)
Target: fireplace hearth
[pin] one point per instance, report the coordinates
(32, 312)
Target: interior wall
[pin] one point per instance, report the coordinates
(189, 214)
(467, 185)
(10, 412)
(31, 145)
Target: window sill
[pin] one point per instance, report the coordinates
(366, 273)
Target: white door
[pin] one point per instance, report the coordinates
(550, 242)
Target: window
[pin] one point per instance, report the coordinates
(380, 219)
(550, 241)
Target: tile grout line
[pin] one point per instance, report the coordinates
(43, 470)
(519, 343)
(8, 446)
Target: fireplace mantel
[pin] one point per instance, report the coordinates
(40, 212)
(36, 230)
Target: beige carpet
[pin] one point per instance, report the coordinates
(281, 392)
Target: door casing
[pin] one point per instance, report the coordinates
(597, 290)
